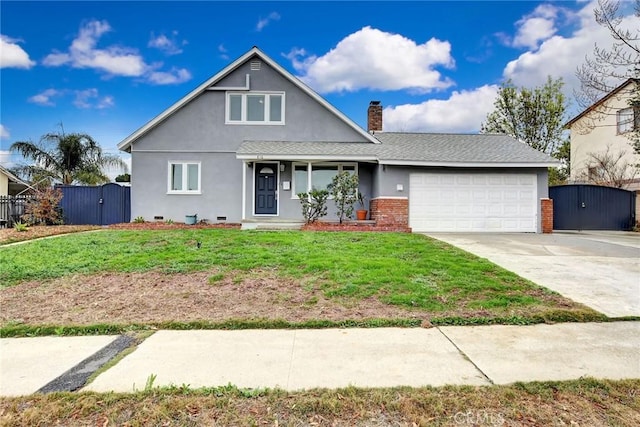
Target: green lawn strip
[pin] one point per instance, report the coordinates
(20, 330)
(585, 401)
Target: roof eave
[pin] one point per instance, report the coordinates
(470, 164)
(598, 102)
(306, 157)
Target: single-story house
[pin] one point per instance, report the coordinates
(242, 145)
(10, 185)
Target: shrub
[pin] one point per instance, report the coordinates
(314, 204)
(344, 189)
(44, 208)
(21, 226)
(138, 220)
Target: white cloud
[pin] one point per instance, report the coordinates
(223, 51)
(534, 30)
(263, 22)
(83, 53)
(170, 46)
(173, 76)
(4, 132)
(374, 59)
(12, 55)
(45, 98)
(535, 27)
(560, 56)
(90, 98)
(112, 60)
(464, 112)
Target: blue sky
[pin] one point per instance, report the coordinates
(106, 68)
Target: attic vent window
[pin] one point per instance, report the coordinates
(255, 65)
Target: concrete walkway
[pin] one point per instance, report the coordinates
(299, 359)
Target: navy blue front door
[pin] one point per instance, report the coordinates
(266, 187)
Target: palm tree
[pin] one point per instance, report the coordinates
(66, 158)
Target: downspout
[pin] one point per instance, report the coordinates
(244, 189)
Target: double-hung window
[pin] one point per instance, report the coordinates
(184, 178)
(255, 108)
(627, 119)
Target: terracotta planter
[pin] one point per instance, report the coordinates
(361, 215)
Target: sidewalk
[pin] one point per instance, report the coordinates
(297, 359)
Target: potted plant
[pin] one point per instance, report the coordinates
(361, 214)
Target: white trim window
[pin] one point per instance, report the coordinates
(627, 120)
(184, 178)
(255, 108)
(321, 175)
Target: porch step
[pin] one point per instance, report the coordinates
(271, 225)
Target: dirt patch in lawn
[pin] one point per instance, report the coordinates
(11, 235)
(153, 297)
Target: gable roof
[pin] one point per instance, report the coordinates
(125, 145)
(11, 176)
(601, 101)
(410, 149)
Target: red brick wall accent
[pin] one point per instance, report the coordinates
(546, 206)
(390, 211)
(353, 226)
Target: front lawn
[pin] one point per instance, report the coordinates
(212, 275)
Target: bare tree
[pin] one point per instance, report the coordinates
(609, 168)
(609, 67)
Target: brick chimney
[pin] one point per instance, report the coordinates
(374, 117)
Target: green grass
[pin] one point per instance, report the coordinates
(405, 269)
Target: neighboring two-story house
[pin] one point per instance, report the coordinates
(241, 146)
(601, 128)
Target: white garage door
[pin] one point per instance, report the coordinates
(473, 202)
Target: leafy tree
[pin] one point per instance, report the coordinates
(344, 189)
(125, 177)
(558, 176)
(535, 116)
(608, 67)
(66, 158)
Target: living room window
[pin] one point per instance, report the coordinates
(255, 108)
(321, 175)
(184, 178)
(627, 120)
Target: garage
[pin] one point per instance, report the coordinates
(473, 202)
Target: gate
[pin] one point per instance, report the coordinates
(102, 205)
(592, 207)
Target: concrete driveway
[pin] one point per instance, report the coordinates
(600, 269)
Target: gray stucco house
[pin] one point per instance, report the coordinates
(240, 146)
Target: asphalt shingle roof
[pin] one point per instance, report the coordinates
(410, 148)
(457, 148)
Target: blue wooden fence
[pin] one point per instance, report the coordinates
(99, 205)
